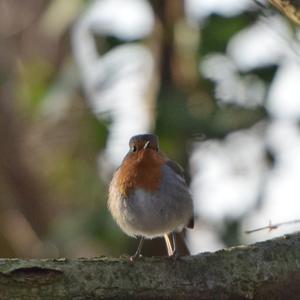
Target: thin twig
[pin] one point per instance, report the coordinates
(273, 226)
(260, 4)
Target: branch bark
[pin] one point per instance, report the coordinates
(291, 8)
(266, 270)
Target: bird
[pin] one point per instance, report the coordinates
(148, 196)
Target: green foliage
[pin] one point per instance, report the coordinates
(34, 80)
(218, 30)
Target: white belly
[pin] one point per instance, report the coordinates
(153, 214)
(146, 214)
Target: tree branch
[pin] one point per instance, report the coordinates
(266, 270)
(291, 8)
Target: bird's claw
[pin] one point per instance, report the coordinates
(134, 257)
(174, 255)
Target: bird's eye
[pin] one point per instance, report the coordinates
(134, 148)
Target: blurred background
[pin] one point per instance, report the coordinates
(218, 81)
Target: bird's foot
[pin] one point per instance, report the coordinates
(134, 257)
(174, 255)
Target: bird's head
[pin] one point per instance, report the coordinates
(143, 142)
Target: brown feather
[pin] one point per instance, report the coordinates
(179, 170)
(135, 169)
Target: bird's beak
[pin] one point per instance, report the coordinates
(146, 145)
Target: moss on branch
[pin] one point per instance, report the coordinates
(266, 270)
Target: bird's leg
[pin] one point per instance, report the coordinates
(138, 251)
(175, 253)
(168, 245)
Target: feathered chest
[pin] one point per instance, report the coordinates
(140, 171)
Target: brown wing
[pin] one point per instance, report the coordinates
(175, 167)
(179, 170)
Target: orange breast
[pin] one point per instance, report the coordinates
(140, 170)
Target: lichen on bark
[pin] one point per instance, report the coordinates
(266, 270)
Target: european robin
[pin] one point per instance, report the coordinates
(148, 195)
